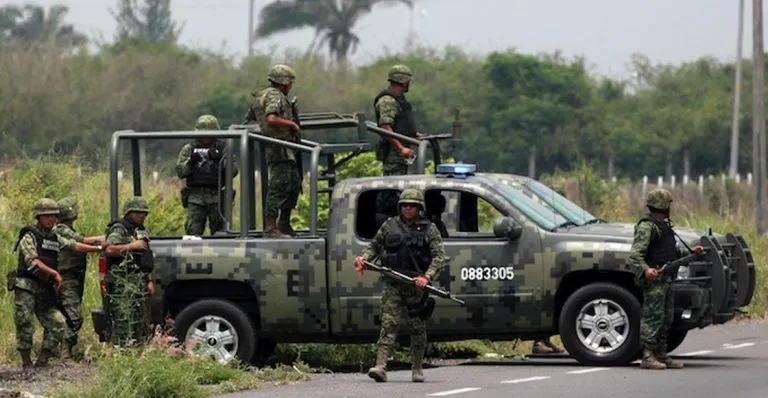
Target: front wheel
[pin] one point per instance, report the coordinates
(600, 324)
(221, 328)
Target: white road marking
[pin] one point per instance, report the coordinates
(694, 353)
(733, 347)
(452, 392)
(515, 381)
(582, 371)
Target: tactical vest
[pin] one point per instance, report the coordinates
(143, 260)
(257, 114)
(47, 245)
(406, 247)
(404, 123)
(663, 247)
(207, 174)
(72, 260)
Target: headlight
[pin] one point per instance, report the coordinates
(682, 272)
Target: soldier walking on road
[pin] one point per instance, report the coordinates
(199, 163)
(409, 244)
(274, 114)
(394, 113)
(129, 273)
(653, 246)
(36, 282)
(72, 267)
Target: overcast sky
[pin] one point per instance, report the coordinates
(607, 32)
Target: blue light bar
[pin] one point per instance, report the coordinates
(460, 170)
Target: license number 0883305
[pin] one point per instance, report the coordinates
(487, 273)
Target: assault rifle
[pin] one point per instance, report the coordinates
(408, 280)
(672, 266)
(297, 139)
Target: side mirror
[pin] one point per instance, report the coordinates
(507, 227)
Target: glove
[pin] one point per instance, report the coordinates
(195, 158)
(214, 154)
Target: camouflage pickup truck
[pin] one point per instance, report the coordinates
(523, 269)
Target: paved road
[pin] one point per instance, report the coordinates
(721, 361)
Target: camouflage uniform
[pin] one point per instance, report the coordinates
(398, 113)
(653, 245)
(199, 164)
(32, 295)
(71, 267)
(420, 246)
(125, 281)
(284, 175)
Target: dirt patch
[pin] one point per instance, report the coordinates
(39, 381)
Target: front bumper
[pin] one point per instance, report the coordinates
(715, 287)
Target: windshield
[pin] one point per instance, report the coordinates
(546, 218)
(560, 203)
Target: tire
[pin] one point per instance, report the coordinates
(675, 338)
(228, 318)
(582, 303)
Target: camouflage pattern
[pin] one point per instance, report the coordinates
(281, 74)
(305, 289)
(202, 202)
(137, 204)
(207, 122)
(400, 74)
(411, 196)
(658, 313)
(72, 269)
(68, 209)
(45, 206)
(126, 297)
(659, 198)
(268, 101)
(284, 188)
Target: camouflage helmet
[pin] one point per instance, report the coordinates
(136, 203)
(411, 195)
(281, 74)
(659, 198)
(207, 122)
(400, 74)
(45, 206)
(68, 209)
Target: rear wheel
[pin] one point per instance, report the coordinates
(600, 324)
(221, 328)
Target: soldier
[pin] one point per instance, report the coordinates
(199, 163)
(71, 267)
(36, 278)
(394, 113)
(410, 244)
(274, 114)
(653, 246)
(129, 273)
(545, 346)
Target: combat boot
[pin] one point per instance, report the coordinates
(669, 362)
(284, 222)
(26, 359)
(417, 361)
(66, 352)
(650, 361)
(555, 349)
(42, 359)
(379, 372)
(539, 347)
(271, 230)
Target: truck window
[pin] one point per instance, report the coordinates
(459, 213)
(368, 217)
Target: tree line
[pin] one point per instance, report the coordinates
(520, 112)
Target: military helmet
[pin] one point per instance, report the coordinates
(136, 203)
(281, 74)
(207, 122)
(68, 209)
(400, 74)
(45, 206)
(659, 198)
(411, 195)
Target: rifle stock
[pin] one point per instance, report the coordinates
(408, 280)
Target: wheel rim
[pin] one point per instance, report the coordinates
(602, 326)
(214, 336)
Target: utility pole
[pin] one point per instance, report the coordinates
(250, 27)
(758, 118)
(737, 97)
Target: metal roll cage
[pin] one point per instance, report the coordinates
(248, 135)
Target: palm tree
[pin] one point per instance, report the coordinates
(332, 20)
(33, 24)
